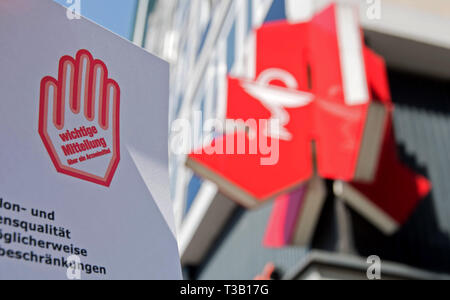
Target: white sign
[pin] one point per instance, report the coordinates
(84, 189)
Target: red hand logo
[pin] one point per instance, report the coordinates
(79, 119)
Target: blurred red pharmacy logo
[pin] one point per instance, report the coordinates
(330, 94)
(331, 113)
(79, 119)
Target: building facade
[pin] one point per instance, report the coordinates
(205, 40)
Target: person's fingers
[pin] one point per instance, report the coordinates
(47, 106)
(269, 269)
(98, 92)
(65, 88)
(109, 112)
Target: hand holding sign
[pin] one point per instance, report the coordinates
(79, 119)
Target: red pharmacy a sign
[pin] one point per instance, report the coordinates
(330, 96)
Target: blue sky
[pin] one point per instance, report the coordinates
(116, 15)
